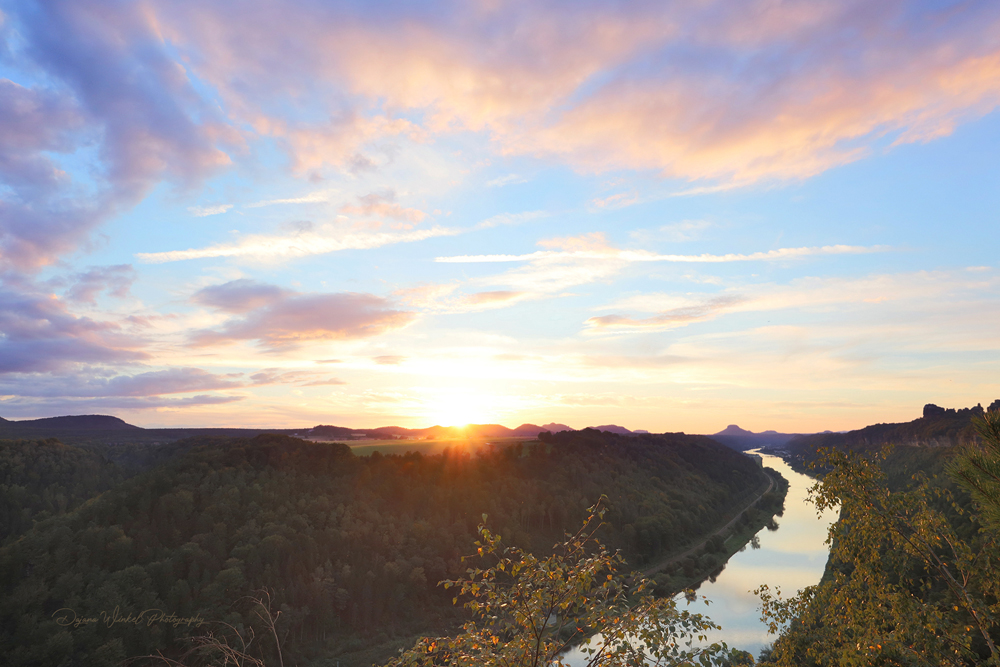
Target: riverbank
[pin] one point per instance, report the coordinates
(705, 560)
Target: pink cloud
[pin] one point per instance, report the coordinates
(389, 360)
(497, 297)
(41, 335)
(290, 319)
(239, 296)
(116, 280)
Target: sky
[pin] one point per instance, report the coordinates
(782, 214)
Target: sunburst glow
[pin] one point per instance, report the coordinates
(458, 408)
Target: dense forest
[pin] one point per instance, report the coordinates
(350, 547)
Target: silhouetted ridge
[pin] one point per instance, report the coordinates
(938, 427)
(88, 422)
(612, 428)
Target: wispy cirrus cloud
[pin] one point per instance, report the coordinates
(204, 211)
(509, 179)
(671, 318)
(311, 198)
(647, 256)
(325, 239)
(915, 291)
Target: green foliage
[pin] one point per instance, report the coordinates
(910, 580)
(45, 478)
(978, 468)
(527, 611)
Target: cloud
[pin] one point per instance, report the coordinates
(40, 214)
(116, 94)
(498, 297)
(32, 408)
(510, 219)
(303, 378)
(811, 294)
(311, 198)
(675, 317)
(92, 384)
(203, 211)
(678, 232)
(115, 279)
(328, 238)
(646, 256)
(389, 360)
(39, 334)
(383, 205)
(239, 296)
(620, 200)
(291, 319)
(509, 179)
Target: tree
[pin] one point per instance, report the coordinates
(907, 583)
(978, 468)
(527, 611)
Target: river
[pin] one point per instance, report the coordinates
(790, 558)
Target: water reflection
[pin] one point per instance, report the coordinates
(790, 556)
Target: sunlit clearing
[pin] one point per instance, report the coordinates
(457, 408)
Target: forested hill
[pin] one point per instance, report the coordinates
(938, 427)
(352, 547)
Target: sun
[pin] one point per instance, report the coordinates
(458, 408)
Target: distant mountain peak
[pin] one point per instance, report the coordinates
(733, 429)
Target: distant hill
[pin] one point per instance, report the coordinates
(937, 427)
(323, 431)
(612, 428)
(740, 439)
(556, 428)
(76, 422)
